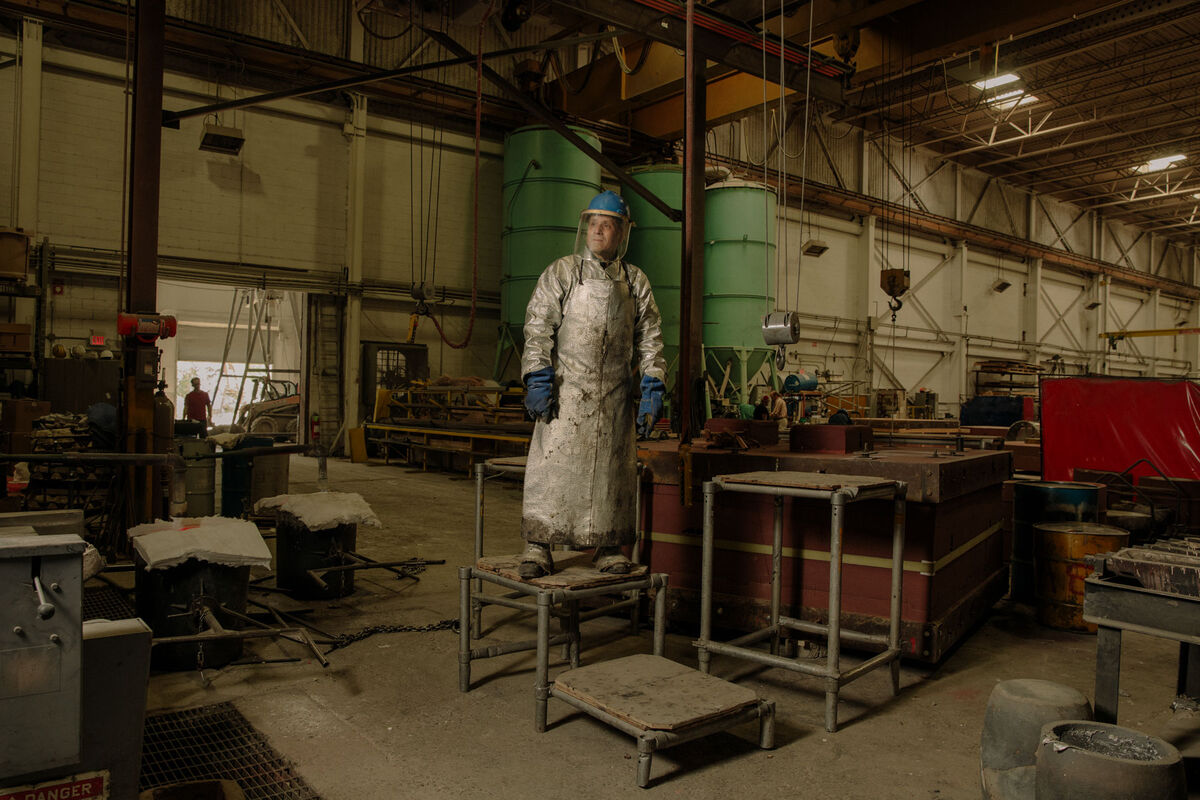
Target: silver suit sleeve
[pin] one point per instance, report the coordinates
(543, 316)
(647, 329)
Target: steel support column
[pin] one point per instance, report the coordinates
(355, 33)
(141, 284)
(1153, 344)
(868, 271)
(1031, 306)
(27, 124)
(146, 155)
(691, 317)
(958, 279)
(357, 135)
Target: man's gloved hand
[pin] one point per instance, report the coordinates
(651, 405)
(539, 393)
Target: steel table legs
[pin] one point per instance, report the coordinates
(1108, 673)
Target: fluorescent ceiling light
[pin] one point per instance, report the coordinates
(1016, 97)
(1156, 164)
(996, 80)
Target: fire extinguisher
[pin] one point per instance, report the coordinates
(314, 428)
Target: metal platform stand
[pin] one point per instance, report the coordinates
(673, 704)
(839, 490)
(515, 466)
(573, 581)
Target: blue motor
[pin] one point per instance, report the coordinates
(800, 382)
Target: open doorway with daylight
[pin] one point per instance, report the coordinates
(244, 346)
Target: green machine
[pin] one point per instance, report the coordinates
(739, 284)
(656, 247)
(547, 183)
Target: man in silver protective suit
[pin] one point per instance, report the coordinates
(590, 328)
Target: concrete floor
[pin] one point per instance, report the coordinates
(386, 719)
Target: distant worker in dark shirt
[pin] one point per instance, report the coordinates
(197, 406)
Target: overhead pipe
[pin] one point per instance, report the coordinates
(171, 118)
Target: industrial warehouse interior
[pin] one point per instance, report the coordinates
(510, 398)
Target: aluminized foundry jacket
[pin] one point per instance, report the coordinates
(599, 327)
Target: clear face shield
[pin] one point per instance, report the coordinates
(603, 237)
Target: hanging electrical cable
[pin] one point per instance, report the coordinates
(782, 173)
(475, 236)
(362, 20)
(803, 141)
(618, 51)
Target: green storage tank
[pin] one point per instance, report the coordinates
(547, 183)
(739, 279)
(656, 246)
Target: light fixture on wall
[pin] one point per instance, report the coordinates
(219, 139)
(814, 248)
(1000, 284)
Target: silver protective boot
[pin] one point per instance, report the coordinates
(612, 561)
(536, 561)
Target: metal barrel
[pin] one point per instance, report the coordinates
(237, 477)
(547, 183)
(269, 477)
(299, 549)
(739, 280)
(1035, 502)
(200, 477)
(1060, 569)
(656, 247)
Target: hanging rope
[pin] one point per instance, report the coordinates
(475, 237)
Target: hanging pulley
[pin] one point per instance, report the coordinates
(894, 282)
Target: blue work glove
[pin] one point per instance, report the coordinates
(651, 405)
(539, 393)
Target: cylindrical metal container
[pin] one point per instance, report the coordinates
(1139, 525)
(1060, 568)
(1035, 502)
(547, 183)
(200, 477)
(298, 550)
(174, 601)
(739, 279)
(269, 477)
(656, 247)
(237, 478)
(1078, 758)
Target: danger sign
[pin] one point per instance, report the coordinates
(87, 786)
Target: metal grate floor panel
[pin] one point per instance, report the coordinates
(216, 742)
(105, 602)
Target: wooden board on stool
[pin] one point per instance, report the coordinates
(572, 570)
(654, 693)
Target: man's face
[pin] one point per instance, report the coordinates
(604, 235)
(195, 383)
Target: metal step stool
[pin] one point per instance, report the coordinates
(575, 579)
(662, 703)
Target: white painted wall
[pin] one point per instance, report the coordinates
(282, 202)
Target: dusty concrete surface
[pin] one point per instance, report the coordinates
(386, 719)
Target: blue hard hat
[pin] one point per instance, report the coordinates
(610, 204)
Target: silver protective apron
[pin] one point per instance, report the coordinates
(581, 475)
